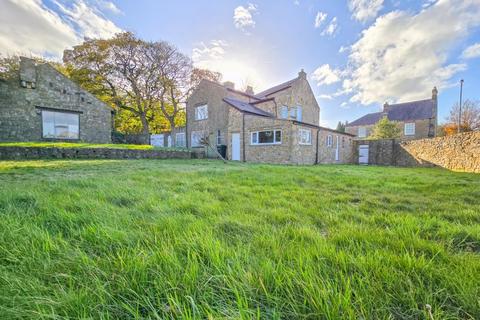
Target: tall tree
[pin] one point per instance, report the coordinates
(385, 129)
(341, 126)
(146, 79)
(470, 120)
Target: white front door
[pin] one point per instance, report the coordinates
(363, 154)
(236, 146)
(157, 140)
(336, 152)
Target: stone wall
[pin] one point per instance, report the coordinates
(23, 153)
(460, 152)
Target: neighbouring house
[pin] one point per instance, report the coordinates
(416, 119)
(168, 139)
(278, 125)
(41, 104)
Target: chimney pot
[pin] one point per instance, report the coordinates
(249, 90)
(229, 85)
(434, 93)
(302, 74)
(385, 106)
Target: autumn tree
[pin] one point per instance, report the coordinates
(470, 119)
(385, 129)
(146, 80)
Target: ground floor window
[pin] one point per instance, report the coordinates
(220, 138)
(409, 129)
(60, 125)
(304, 136)
(329, 140)
(197, 138)
(266, 137)
(180, 139)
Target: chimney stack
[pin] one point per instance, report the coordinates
(229, 85)
(28, 72)
(385, 107)
(302, 75)
(249, 90)
(434, 93)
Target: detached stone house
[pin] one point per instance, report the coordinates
(278, 125)
(416, 119)
(41, 104)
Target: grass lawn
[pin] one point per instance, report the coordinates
(81, 145)
(200, 239)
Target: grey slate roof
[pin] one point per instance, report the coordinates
(246, 107)
(415, 110)
(280, 87)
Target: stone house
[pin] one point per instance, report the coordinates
(416, 119)
(41, 104)
(278, 125)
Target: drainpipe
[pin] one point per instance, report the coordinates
(186, 127)
(243, 137)
(316, 151)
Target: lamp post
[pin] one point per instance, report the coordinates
(460, 109)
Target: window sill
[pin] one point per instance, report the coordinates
(265, 144)
(305, 144)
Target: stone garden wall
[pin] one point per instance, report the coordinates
(21, 153)
(460, 152)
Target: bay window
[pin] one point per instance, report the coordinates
(266, 137)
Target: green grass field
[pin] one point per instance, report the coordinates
(104, 239)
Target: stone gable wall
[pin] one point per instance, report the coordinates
(20, 108)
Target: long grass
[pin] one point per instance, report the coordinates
(199, 239)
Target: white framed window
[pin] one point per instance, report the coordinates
(305, 136)
(362, 132)
(180, 139)
(284, 112)
(329, 140)
(60, 125)
(293, 113)
(299, 113)
(409, 129)
(196, 137)
(266, 137)
(201, 112)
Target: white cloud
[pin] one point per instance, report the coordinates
(343, 104)
(320, 18)
(110, 6)
(407, 65)
(243, 17)
(343, 49)
(472, 52)
(87, 20)
(324, 75)
(331, 28)
(29, 27)
(364, 10)
(325, 96)
(217, 56)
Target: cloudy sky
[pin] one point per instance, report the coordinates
(357, 53)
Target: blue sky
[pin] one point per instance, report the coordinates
(357, 53)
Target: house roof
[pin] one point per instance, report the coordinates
(415, 110)
(322, 128)
(275, 89)
(246, 107)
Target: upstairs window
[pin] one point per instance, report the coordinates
(201, 112)
(293, 113)
(60, 125)
(409, 129)
(362, 132)
(305, 136)
(266, 137)
(299, 113)
(284, 112)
